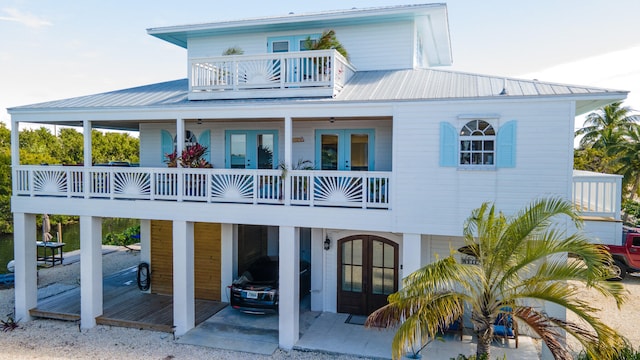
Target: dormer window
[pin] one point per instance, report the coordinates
(477, 143)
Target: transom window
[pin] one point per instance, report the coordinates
(477, 143)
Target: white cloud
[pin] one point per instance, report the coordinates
(29, 20)
(619, 70)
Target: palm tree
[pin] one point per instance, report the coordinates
(521, 261)
(627, 157)
(602, 127)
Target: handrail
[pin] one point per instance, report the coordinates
(363, 189)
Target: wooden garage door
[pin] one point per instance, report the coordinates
(207, 240)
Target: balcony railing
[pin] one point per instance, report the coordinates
(304, 73)
(596, 194)
(301, 188)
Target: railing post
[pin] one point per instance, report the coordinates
(364, 186)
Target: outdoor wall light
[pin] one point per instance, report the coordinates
(327, 243)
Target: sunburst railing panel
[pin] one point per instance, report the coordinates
(296, 187)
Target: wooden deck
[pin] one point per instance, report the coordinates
(124, 305)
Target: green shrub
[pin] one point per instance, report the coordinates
(129, 236)
(626, 353)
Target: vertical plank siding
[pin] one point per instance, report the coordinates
(206, 259)
(207, 238)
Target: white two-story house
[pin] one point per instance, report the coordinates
(402, 151)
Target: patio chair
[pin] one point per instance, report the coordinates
(505, 327)
(457, 327)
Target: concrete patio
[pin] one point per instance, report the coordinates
(331, 333)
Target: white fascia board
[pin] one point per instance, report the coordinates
(252, 111)
(434, 28)
(178, 35)
(584, 103)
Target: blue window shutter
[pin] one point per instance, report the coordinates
(448, 145)
(205, 140)
(167, 144)
(506, 145)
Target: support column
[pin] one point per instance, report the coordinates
(411, 253)
(90, 270)
(86, 131)
(145, 243)
(179, 136)
(183, 282)
(226, 261)
(317, 272)
(24, 250)
(288, 149)
(289, 311)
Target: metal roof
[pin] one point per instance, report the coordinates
(364, 86)
(429, 84)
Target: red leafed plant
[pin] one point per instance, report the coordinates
(191, 157)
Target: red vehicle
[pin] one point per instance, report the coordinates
(626, 257)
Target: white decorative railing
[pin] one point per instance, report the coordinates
(365, 190)
(596, 194)
(319, 69)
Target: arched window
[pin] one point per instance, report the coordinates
(189, 140)
(477, 143)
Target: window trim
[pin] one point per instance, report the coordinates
(472, 138)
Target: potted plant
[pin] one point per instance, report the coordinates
(191, 157)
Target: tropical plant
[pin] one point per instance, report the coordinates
(602, 128)
(627, 160)
(327, 40)
(9, 325)
(191, 157)
(234, 50)
(521, 261)
(626, 353)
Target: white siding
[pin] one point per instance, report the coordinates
(381, 46)
(430, 199)
(150, 140)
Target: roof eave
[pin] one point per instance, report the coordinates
(179, 34)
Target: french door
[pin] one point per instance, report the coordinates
(342, 149)
(252, 149)
(296, 69)
(367, 273)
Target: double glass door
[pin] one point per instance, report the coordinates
(345, 149)
(367, 273)
(252, 149)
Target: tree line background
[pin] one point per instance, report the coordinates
(40, 146)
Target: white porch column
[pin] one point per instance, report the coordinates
(86, 131)
(289, 311)
(145, 243)
(226, 261)
(24, 250)
(183, 282)
(288, 149)
(15, 144)
(179, 136)
(90, 270)
(317, 269)
(411, 253)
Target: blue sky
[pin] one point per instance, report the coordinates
(58, 49)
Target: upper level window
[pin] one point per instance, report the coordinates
(477, 143)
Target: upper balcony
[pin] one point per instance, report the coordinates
(318, 73)
(349, 189)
